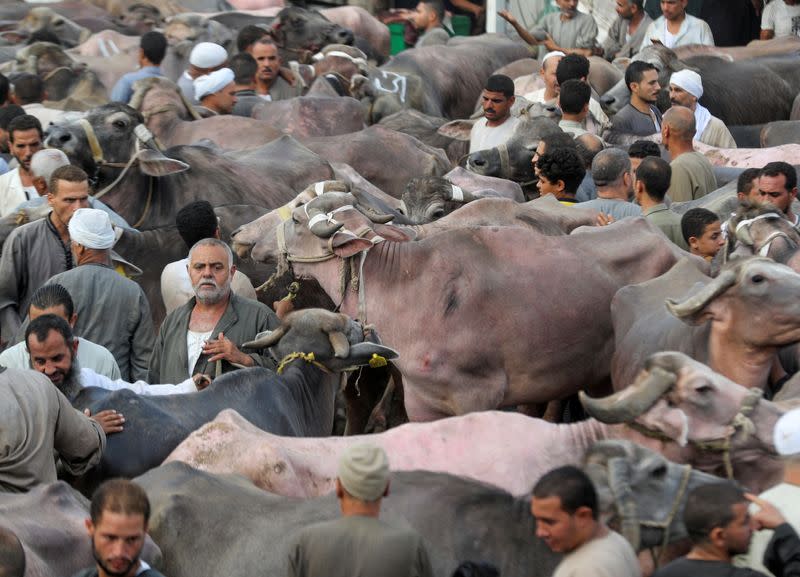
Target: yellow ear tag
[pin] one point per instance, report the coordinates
(377, 361)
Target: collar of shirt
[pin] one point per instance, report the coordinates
(657, 208)
(67, 249)
(143, 566)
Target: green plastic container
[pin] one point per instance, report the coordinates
(461, 25)
(398, 43)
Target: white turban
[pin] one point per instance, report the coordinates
(787, 433)
(211, 83)
(208, 55)
(364, 471)
(91, 228)
(552, 54)
(689, 80)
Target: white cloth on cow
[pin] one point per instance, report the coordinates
(211, 83)
(208, 55)
(91, 228)
(483, 137)
(89, 378)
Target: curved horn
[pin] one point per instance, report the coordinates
(320, 224)
(266, 339)
(457, 194)
(629, 403)
(374, 215)
(323, 186)
(743, 235)
(340, 344)
(620, 484)
(697, 302)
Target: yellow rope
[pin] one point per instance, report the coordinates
(307, 357)
(377, 361)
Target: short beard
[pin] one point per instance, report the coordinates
(71, 386)
(219, 294)
(108, 571)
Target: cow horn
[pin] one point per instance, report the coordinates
(457, 194)
(320, 224)
(620, 484)
(629, 403)
(697, 302)
(374, 215)
(266, 339)
(340, 344)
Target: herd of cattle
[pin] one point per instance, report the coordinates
(483, 302)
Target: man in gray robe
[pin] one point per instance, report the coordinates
(626, 32)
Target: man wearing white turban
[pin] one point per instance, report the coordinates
(686, 89)
(205, 58)
(113, 311)
(359, 543)
(215, 91)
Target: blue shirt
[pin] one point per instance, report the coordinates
(123, 89)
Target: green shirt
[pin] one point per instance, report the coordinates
(669, 223)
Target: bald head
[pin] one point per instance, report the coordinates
(681, 123)
(12, 555)
(588, 147)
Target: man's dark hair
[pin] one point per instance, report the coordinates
(154, 46)
(244, 68)
(575, 94)
(588, 146)
(710, 506)
(562, 164)
(28, 88)
(436, 6)
(572, 67)
(119, 496)
(248, 36)
(12, 555)
(635, 71)
(41, 327)
(53, 295)
(500, 83)
(695, 221)
(558, 140)
(9, 113)
(655, 173)
(69, 173)
(24, 122)
(572, 486)
(779, 167)
(196, 221)
(5, 88)
(638, 3)
(643, 149)
(476, 569)
(744, 183)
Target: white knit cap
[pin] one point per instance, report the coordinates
(208, 55)
(689, 80)
(364, 471)
(786, 433)
(211, 83)
(91, 228)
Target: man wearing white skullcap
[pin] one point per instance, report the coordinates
(785, 495)
(215, 91)
(205, 58)
(112, 310)
(359, 544)
(548, 73)
(686, 89)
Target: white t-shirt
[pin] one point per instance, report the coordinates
(483, 137)
(194, 347)
(783, 19)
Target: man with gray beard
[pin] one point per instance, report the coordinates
(204, 335)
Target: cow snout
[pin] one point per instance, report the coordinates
(342, 36)
(477, 160)
(607, 99)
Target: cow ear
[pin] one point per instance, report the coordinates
(456, 129)
(153, 163)
(345, 244)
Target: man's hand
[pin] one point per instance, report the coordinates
(287, 75)
(110, 420)
(201, 381)
(767, 517)
(507, 16)
(283, 307)
(550, 44)
(604, 219)
(224, 349)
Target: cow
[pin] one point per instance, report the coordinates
(762, 229)
(41, 19)
(426, 129)
(780, 132)
(749, 157)
(50, 520)
(306, 116)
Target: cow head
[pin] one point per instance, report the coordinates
(430, 198)
(140, 18)
(641, 493)
(46, 20)
(297, 29)
(157, 95)
(761, 230)
(336, 341)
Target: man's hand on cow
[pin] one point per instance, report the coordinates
(223, 348)
(283, 307)
(201, 381)
(767, 516)
(287, 75)
(109, 420)
(604, 219)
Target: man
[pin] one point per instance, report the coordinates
(567, 30)
(29, 93)
(205, 58)
(548, 73)
(747, 185)
(560, 174)
(777, 185)
(7, 114)
(641, 149)
(427, 19)
(195, 221)
(588, 146)
(566, 509)
(36, 251)
(215, 91)
(640, 116)
(25, 139)
(113, 311)
(54, 299)
(611, 171)
(702, 231)
(626, 33)
(244, 69)
(497, 124)
(152, 49)
(117, 527)
(212, 325)
(359, 544)
(720, 527)
(37, 419)
(780, 18)
(685, 89)
(692, 173)
(651, 185)
(576, 67)
(270, 85)
(677, 28)
(574, 103)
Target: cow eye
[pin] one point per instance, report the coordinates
(119, 124)
(58, 23)
(757, 279)
(660, 471)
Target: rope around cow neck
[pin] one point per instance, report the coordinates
(307, 357)
(667, 523)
